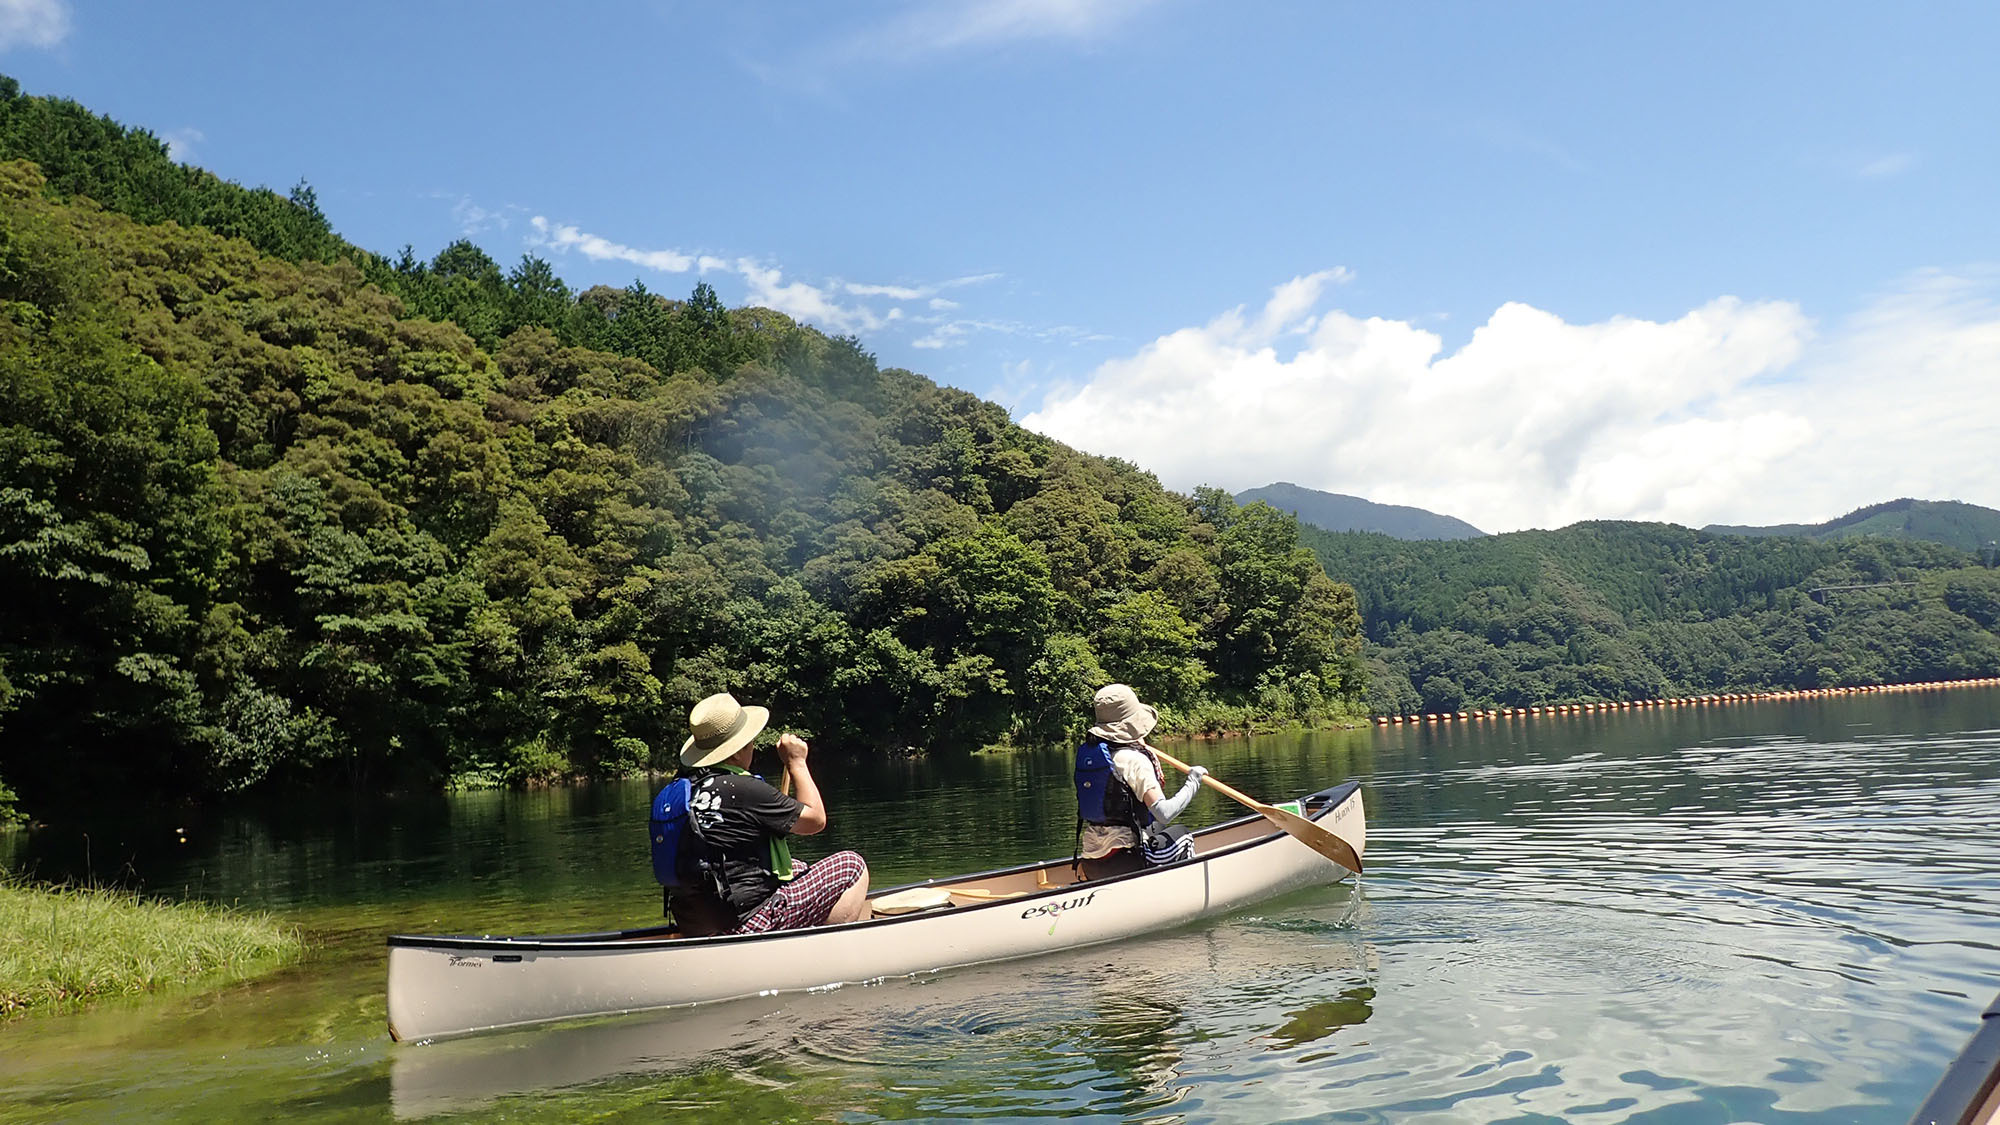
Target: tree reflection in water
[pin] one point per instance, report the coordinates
(1317, 1021)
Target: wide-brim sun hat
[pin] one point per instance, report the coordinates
(721, 727)
(1120, 716)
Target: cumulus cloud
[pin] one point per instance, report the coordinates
(1905, 400)
(1735, 412)
(33, 23)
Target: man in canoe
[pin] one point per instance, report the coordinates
(1122, 807)
(739, 826)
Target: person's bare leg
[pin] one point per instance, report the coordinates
(852, 905)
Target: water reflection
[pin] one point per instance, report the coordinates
(1316, 1022)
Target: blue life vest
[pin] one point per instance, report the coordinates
(674, 840)
(1101, 796)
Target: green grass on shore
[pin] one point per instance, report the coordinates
(62, 945)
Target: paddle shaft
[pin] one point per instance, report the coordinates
(1210, 781)
(1299, 828)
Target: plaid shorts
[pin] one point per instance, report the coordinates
(808, 898)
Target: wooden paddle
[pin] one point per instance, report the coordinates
(1296, 826)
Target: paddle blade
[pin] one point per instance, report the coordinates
(1314, 837)
(1298, 827)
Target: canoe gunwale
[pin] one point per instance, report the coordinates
(1319, 804)
(1968, 1092)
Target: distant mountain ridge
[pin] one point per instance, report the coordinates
(1953, 523)
(1333, 511)
(1620, 610)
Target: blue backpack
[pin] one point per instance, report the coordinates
(676, 849)
(1100, 799)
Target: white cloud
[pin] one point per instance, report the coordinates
(952, 333)
(802, 301)
(562, 237)
(898, 292)
(1735, 412)
(917, 292)
(1905, 400)
(33, 23)
(766, 285)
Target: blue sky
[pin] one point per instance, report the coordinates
(1522, 264)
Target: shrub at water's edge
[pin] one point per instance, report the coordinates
(63, 945)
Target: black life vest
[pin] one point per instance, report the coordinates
(682, 858)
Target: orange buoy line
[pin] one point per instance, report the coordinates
(1705, 699)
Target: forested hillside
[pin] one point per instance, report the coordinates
(1968, 527)
(1617, 611)
(263, 517)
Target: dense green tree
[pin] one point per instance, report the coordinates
(112, 538)
(289, 513)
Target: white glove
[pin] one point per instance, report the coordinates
(1196, 773)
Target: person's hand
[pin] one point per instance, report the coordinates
(791, 748)
(1196, 773)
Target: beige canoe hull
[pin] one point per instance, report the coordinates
(443, 986)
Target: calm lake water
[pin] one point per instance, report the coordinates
(1768, 912)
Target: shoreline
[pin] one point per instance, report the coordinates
(64, 947)
(1708, 699)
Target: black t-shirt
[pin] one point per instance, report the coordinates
(738, 816)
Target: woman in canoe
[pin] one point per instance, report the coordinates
(1122, 807)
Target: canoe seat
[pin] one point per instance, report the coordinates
(910, 901)
(983, 894)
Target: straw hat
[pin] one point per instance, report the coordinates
(1120, 716)
(721, 727)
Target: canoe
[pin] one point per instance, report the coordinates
(475, 1076)
(1969, 1091)
(443, 986)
